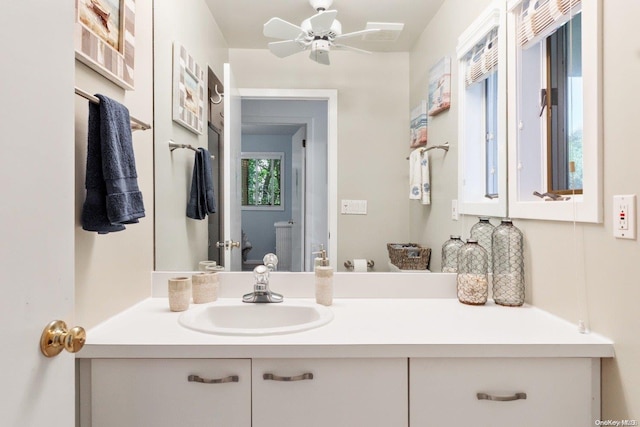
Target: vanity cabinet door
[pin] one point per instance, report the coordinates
(330, 392)
(559, 392)
(158, 392)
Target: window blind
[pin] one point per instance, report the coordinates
(483, 59)
(539, 18)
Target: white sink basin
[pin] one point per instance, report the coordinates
(237, 318)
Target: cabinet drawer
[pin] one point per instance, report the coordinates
(157, 392)
(341, 392)
(558, 392)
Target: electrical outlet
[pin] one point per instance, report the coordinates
(624, 216)
(454, 210)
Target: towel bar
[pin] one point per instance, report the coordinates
(136, 124)
(444, 147)
(175, 145)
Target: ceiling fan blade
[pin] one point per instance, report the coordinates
(280, 29)
(345, 47)
(356, 33)
(286, 48)
(321, 22)
(320, 57)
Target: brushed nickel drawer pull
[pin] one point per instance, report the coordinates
(517, 396)
(229, 379)
(305, 376)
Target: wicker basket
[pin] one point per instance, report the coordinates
(409, 256)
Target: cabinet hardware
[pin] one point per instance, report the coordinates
(305, 376)
(517, 396)
(229, 379)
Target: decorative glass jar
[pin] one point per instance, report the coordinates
(508, 264)
(482, 231)
(450, 254)
(473, 282)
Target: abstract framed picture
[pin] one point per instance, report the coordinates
(188, 90)
(440, 86)
(105, 38)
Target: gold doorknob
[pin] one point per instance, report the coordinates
(57, 337)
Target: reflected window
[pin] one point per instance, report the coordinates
(262, 180)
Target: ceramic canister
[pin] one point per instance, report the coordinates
(205, 287)
(179, 293)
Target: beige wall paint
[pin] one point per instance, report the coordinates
(373, 120)
(180, 242)
(112, 272)
(582, 273)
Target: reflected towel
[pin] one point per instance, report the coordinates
(113, 198)
(419, 186)
(201, 198)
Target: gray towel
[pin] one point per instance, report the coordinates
(113, 198)
(202, 197)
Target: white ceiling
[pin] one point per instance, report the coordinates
(241, 21)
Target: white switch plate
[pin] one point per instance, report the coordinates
(624, 216)
(454, 210)
(353, 207)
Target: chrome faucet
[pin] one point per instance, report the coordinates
(261, 292)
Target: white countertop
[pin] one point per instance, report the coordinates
(362, 327)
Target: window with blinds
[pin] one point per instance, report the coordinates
(482, 115)
(554, 129)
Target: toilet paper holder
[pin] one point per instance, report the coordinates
(349, 264)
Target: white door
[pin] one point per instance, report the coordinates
(297, 198)
(231, 154)
(37, 209)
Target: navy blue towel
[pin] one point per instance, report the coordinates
(201, 198)
(113, 197)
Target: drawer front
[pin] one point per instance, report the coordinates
(158, 392)
(330, 392)
(504, 392)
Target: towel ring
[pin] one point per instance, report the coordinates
(220, 96)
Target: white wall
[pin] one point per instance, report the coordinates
(581, 273)
(180, 242)
(373, 123)
(112, 272)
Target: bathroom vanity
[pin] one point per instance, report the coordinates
(420, 360)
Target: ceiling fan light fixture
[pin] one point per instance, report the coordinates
(321, 4)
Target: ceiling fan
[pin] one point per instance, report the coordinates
(318, 34)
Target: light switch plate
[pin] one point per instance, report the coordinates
(624, 216)
(353, 207)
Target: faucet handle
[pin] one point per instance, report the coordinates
(271, 261)
(261, 274)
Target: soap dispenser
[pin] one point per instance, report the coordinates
(324, 279)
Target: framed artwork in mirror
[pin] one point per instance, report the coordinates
(188, 90)
(105, 38)
(440, 86)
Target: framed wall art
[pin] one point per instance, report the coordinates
(188, 90)
(105, 38)
(440, 86)
(418, 127)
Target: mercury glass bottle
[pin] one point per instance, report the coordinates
(508, 264)
(482, 231)
(450, 250)
(473, 283)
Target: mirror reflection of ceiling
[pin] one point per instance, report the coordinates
(269, 129)
(243, 29)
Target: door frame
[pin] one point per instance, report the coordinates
(331, 96)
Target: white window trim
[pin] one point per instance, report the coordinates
(493, 16)
(587, 207)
